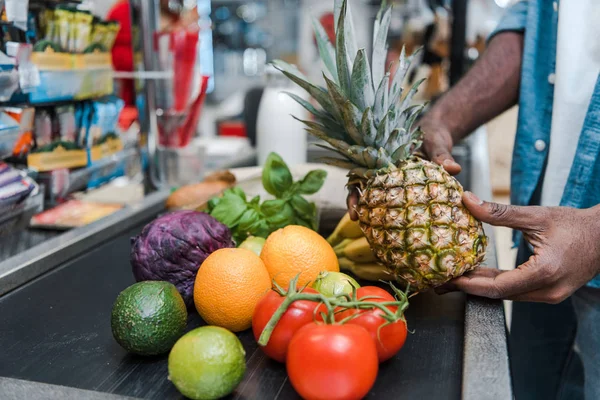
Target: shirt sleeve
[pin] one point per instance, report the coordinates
(514, 20)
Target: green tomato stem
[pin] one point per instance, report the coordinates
(266, 333)
(331, 304)
(291, 297)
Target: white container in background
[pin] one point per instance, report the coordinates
(276, 130)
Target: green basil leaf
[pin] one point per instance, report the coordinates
(261, 229)
(276, 177)
(238, 192)
(312, 182)
(229, 210)
(212, 203)
(304, 209)
(303, 222)
(248, 220)
(272, 207)
(283, 218)
(255, 201)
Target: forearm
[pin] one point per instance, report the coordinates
(487, 90)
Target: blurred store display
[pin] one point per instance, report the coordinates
(161, 92)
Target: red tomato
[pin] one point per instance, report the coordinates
(375, 294)
(372, 291)
(297, 315)
(389, 339)
(332, 362)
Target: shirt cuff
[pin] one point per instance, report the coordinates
(514, 20)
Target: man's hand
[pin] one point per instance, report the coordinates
(566, 245)
(437, 145)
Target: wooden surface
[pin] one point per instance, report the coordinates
(56, 330)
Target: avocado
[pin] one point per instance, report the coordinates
(148, 318)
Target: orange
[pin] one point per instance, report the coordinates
(297, 250)
(229, 284)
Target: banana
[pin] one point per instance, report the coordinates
(339, 249)
(366, 271)
(346, 229)
(357, 250)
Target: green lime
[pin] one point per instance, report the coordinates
(333, 284)
(148, 318)
(207, 363)
(254, 244)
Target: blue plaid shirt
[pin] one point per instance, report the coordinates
(538, 20)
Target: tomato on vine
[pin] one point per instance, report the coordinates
(335, 356)
(298, 314)
(388, 334)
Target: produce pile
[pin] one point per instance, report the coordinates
(286, 286)
(260, 264)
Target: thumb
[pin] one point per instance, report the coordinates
(352, 202)
(440, 152)
(516, 217)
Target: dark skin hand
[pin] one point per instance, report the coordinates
(566, 244)
(566, 241)
(489, 88)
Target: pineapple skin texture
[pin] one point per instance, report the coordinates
(417, 225)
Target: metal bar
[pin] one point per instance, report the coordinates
(486, 369)
(458, 40)
(149, 22)
(40, 259)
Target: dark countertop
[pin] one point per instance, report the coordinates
(57, 331)
(56, 327)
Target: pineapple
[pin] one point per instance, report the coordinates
(410, 209)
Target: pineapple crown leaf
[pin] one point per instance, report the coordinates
(395, 140)
(342, 10)
(318, 93)
(326, 49)
(380, 45)
(343, 62)
(367, 126)
(382, 99)
(364, 114)
(337, 162)
(362, 91)
(309, 107)
(346, 111)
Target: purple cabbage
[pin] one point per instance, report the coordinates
(172, 248)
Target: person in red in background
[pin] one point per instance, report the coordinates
(122, 52)
(328, 23)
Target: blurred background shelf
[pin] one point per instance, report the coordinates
(14, 219)
(61, 183)
(8, 139)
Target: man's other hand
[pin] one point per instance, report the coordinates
(566, 253)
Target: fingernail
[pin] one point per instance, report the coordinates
(473, 197)
(448, 163)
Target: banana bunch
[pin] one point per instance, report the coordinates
(354, 253)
